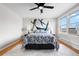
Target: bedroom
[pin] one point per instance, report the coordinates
(16, 20)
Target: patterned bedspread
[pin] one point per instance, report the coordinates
(39, 38)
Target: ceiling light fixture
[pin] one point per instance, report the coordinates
(40, 7)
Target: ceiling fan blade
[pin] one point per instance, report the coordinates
(41, 10)
(50, 7)
(34, 8)
(37, 3)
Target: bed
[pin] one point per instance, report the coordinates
(40, 40)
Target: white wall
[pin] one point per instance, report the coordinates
(70, 39)
(28, 25)
(10, 26)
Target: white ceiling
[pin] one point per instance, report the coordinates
(22, 9)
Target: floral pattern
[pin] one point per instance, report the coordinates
(41, 39)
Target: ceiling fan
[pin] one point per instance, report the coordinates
(41, 6)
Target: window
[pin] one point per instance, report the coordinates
(63, 23)
(74, 23)
(70, 23)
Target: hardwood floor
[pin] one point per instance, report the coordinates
(20, 51)
(11, 46)
(19, 41)
(70, 47)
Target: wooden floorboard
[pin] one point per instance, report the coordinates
(70, 47)
(11, 46)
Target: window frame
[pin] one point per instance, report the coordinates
(63, 24)
(68, 25)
